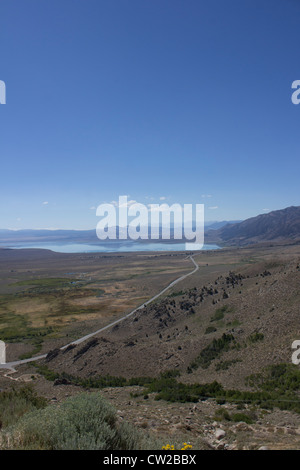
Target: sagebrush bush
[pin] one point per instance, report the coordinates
(83, 422)
(15, 403)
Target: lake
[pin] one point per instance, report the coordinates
(109, 247)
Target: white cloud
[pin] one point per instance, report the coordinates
(206, 195)
(212, 208)
(162, 198)
(127, 204)
(45, 203)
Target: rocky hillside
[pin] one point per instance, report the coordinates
(280, 225)
(224, 323)
(189, 366)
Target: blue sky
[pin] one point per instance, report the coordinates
(187, 100)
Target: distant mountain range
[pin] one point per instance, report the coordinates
(216, 225)
(63, 236)
(8, 237)
(281, 225)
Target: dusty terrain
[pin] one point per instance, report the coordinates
(250, 294)
(262, 296)
(46, 297)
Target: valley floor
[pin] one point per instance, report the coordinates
(232, 322)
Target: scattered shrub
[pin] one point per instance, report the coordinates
(238, 417)
(223, 415)
(224, 365)
(211, 352)
(210, 329)
(15, 403)
(255, 337)
(83, 422)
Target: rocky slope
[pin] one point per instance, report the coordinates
(281, 225)
(256, 303)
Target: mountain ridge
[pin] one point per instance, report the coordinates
(278, 225)
(8, 236)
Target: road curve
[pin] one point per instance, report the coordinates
(12, 365)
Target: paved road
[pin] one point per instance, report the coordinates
(12, 365)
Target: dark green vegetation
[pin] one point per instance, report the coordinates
(83, 422)
(212, 351)
(223, 415)
(224, 365)
(277, 387)
(255, 337)
(210, 329)
(15, 403)
(233, 323)
(47, 284)
(220, 313)
(41, 310)
(176, 294)
(17, 328)
(280, 378)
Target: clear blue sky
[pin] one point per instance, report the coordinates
(181, 99)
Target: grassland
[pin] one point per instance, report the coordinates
(50, 302)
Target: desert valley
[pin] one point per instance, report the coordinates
(208, 362)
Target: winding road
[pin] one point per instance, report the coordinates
(12, 365)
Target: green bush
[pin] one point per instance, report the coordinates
(210, 329)
(278, 386)
(175, 294)
(83, 422)
(238, 417)
(223, 415)
(171, 373)
(280, 378)
(255, 337)
(211, 352)
(15, 403)
(173, 391)
(224, 365)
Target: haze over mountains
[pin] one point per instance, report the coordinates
(72, 236)
(280, 225)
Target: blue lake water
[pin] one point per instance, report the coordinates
(110, 247)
